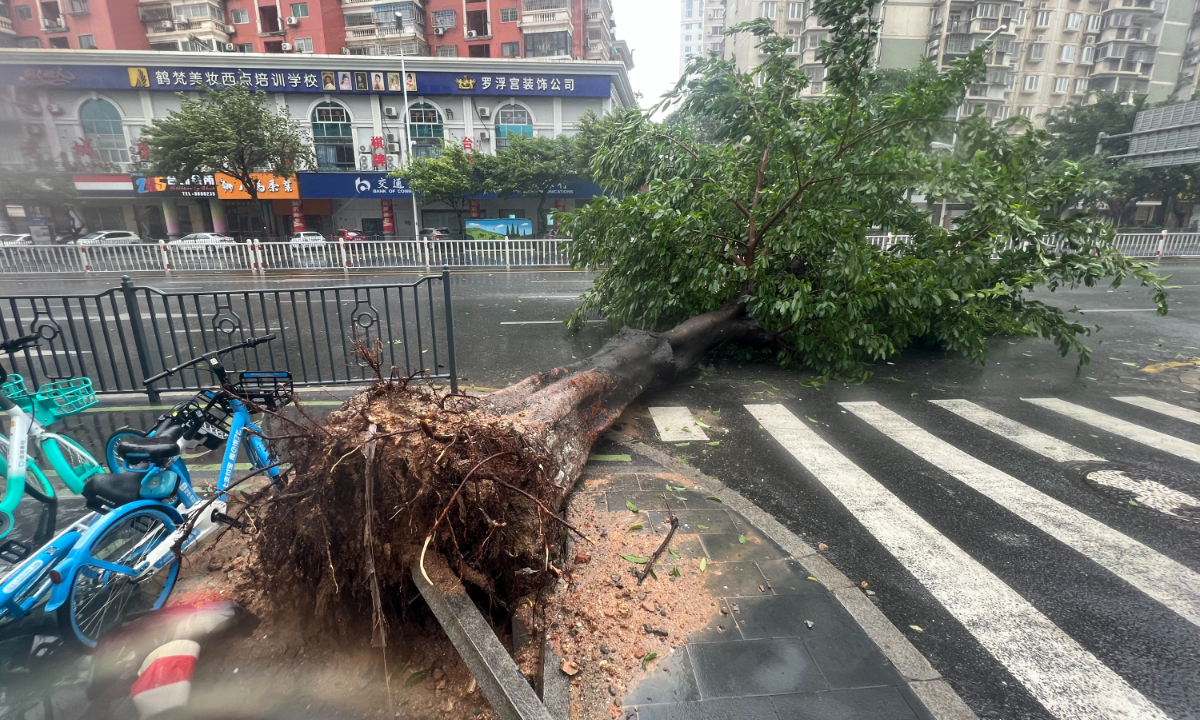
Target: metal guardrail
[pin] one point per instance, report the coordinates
(262, 257)
(127, 333)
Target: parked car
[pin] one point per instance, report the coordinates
(348, 235)
(200, 241)
(16, 240)
(307, 237)
(109, 237)
(435, 234)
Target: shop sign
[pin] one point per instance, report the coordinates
(270, 187)
(468, 144)
(389, 220)
(352, 185)
(175, 78)
(298, 216)
(195, 186)
(476, 212)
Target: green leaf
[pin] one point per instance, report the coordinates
(715, 442)
(702, 527)
(635, 528)
(682, 444)
(742, 539)
(672, 551)
(653, 574)
(714, 498)
(703, 564)
(675, 571)
(703, 425)
(632, 508)
(636, 559)
(648, 658)
(414, 679)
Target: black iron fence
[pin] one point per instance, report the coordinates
(122, 335)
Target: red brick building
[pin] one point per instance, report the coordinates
(579, 29)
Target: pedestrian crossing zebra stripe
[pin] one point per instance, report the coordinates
(1039, 442)
(676, 424)
(1161, 407)
(1165, 580)
(1122, 428)
(1070, 682)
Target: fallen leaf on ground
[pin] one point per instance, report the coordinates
(648, 658)
(742, 539)
(822, 546)
(636, 559)
(863, 584)
(703, 564)
(629, 504)
(917, 628)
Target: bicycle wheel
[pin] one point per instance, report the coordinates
(33, 476)
(73, 464)
(100, 596)
(116, 464)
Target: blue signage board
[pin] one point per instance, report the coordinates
(176, 78)
(352, 185)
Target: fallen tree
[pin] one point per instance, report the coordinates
(757, 238)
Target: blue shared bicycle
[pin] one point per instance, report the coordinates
(122, 560)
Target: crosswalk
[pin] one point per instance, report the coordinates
(1067, 679)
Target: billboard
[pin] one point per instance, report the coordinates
(499, 229)
(1164, 136)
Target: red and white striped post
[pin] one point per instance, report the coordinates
(165, 678)
(1162, 242)
(83, 258)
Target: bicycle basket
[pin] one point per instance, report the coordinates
(62, 398)
(270, 389)
(14, 387)
(214, 427)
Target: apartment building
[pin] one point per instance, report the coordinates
(702, 30)
(1049, 53)
(570, 29)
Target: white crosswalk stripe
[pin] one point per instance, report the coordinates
(1122, 428)
(1070, 682)
(1149, 493)
(1159, 406)
(676, 424)
(1160, 577)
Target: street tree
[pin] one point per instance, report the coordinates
(759, 238)
(231, 131)
(451, 178)
(532, 167)
(52, 192)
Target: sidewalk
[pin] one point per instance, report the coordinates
(782, 645)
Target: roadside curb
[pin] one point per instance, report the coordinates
(942, 702)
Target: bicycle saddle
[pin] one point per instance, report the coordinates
(156, 448)
(112, 490)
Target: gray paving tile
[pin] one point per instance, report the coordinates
(884, 703)
(646, 501)
(735, 580)
(727, 547)
(755, 667)
(851, 660)
(714, 520)
(788, 577)
(752, 708)
(722, 627)
(785, 615)
(612, 482)
(672, 681)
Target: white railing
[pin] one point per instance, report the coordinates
(260, 257)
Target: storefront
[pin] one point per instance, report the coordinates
(378, 205)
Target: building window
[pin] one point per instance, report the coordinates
(687, 38)
(1031, 82)
(304, 45)
(1062, 84)
(87, 42)
(718, 47)
(508, 15)
(1025, 112)
(550, 44)
(245, 47)
(796, 11)
(815, 40)
(446, 51)
(1074, 20)
(511, 121)
(1067, 54)
(1093, 24)
(333, 137)
(1021, 16)
(768, 10)
(1081, 86)
(510, 49)
(687, 50)
(717, 30)
(796, 47)
(299, 10)
(77, 7)
(427, 132)
(102, 127)
(191, 12)
(60, 42)
(1037, 51)
(1043, 18)
(987, 10)
(24, 12)
(239, 17)
(445, 19)
(689, 10)
(1085, 57)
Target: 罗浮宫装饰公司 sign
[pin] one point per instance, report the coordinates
(352, 185)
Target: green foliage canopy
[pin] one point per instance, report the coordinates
(451, 177)
(773, 214)
(532, 167)
(229, 131)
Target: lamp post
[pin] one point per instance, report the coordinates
(407, 122)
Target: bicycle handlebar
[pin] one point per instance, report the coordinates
(247, 343)
(20, 343)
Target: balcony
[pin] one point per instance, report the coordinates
(408, 48)
(6, 24)
(361, 33)
(155, 13)
(540, 16)
(1139, 7)
(54, 25)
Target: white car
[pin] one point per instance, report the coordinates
(109, 237)
(200, 241)
(307, 237)
(16, 240)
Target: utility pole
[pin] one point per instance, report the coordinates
(407, 123)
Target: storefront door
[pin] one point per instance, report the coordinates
(373, 228)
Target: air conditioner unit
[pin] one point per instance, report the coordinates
(439, 31)
(53, 109)
(230, 29)
(286, 47)
(471, 33)
(345, 51)
(166, 25)
(293, 21)
(362, 148)
(393, 147)
(390, 111)
(483, 135)
(485, 113)
(391, 138)
(230, 47)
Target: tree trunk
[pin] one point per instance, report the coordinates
(480, 480)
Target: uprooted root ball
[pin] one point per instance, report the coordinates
(427, 446)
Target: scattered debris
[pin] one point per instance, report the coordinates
(808, 624)
(570, 668)
(822, 546)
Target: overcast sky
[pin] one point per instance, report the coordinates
(651, 27)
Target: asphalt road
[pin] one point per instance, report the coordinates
(1046, 560)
